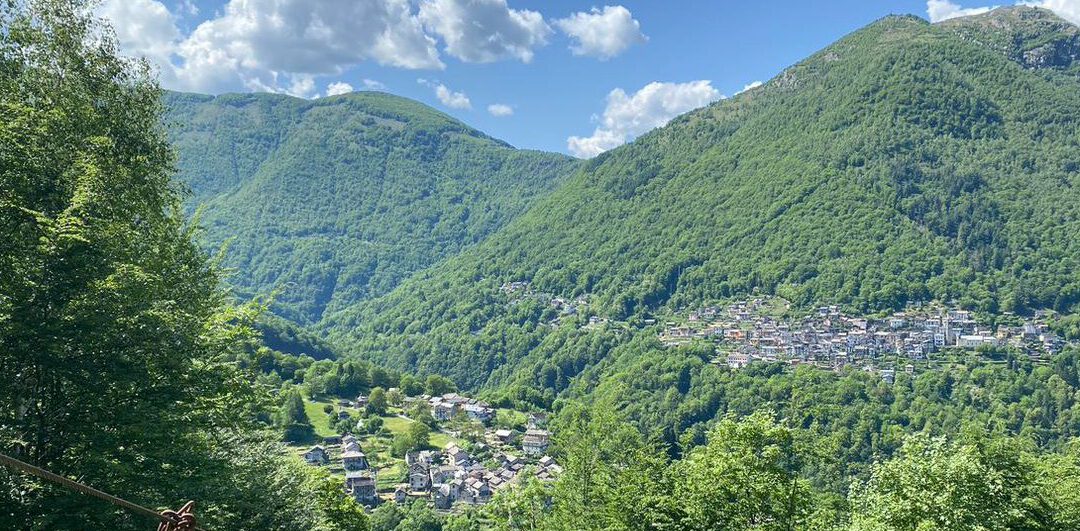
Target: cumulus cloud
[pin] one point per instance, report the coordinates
(146, 28)
(627, 116)
(500, 110)
(187, 7)
(483, 31)
(939, 10)
(750, 86)
(454, 100)
(261, 41)
(449, 98)
(602, 33)
(272, 44)
(1066, 9)
(338, 87)
(371, 84)
(302, 86)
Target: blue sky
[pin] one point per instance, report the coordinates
(549, 75)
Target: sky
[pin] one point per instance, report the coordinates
(557, 75)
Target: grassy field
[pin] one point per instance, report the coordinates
(396, 425)
(319, 419)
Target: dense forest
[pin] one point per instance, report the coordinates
(336, 200)
(769, 448)
(116, 335)
(751, 474)
(906, 162)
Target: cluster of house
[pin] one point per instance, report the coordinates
(829, 338)
(450, 475)
(453, 476)
(447, 406)
(566, 307)
(360, 476)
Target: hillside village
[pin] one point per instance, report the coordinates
(756, 330)
(443, 476)
(749, 331)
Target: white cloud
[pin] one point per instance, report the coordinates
(1066, 9)
(371, 84)
(187, 7)
(483, 31)
(939, 10)
(602, 33)
(627, 116)
(449, 98)
(750, 86)
(144, 27)
(338, 87)
(302, 86)
(260, 41)
(272, 44)
(500, 110)
(454, 100)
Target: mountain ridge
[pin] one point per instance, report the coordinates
(337, 199)
(902, 163)
(1034, 37)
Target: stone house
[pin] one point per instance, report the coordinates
(317, 455)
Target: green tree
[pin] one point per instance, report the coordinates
(746, 477)
(386, 517)
(341, 510)
(934, 484)
(1059, 478)
(612, 479)
(438, 385)
(292, 418)
(418, 437)
(116, 337)
(377, 402)
(372, 424)
(521, 506)
(394, 397)
(411, 386)
(420, 517)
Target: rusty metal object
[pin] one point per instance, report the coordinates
(182, 520)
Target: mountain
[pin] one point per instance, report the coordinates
(338, 199)
(906, 162)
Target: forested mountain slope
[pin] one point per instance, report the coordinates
(905, 162)
(339, 199)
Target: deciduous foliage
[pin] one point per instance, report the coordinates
(931, 484)
(416, 438)
(377, 401)
(751, 474)
(747, 477)
(338, 199)
(905, 162)
(293, 419)
(115, 334)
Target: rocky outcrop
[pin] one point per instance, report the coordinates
(1034, 37)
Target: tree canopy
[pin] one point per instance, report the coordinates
(115, 332)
